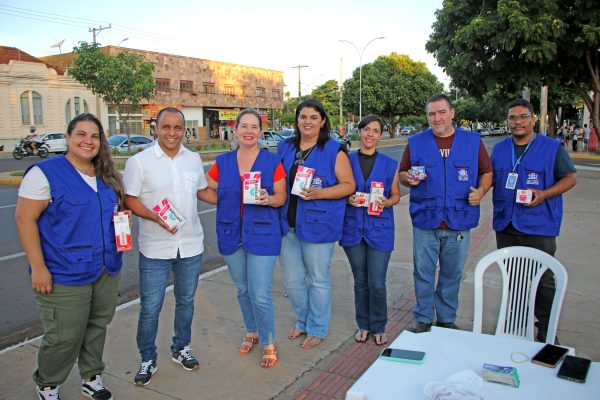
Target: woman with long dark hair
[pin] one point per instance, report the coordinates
(312, 220)
(64, 217)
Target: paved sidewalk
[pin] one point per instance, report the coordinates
(327, 371)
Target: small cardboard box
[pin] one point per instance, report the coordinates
(122, 231)
(417, 172)
(251, 187)
(169, 214)
(303, 179)
(376, 193)
(362, 199)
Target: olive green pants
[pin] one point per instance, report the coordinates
(75, 320)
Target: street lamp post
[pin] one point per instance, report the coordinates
(360, 54)
(121, 42)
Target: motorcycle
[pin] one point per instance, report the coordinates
(23, 149)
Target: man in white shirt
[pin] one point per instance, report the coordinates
(586, 137)
(166, 170)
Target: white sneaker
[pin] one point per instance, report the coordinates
(94, 389)
(48, 393)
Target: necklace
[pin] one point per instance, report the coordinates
(301, 156)
(85, 171)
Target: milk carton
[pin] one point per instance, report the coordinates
(303, 179)
(362, 199)
(122, 231)
(376, 193)
(417, 172)
(251, 187)
(524, 196)
(169, 214)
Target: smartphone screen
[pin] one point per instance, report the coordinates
(574, 369)
(403, 355)
(549, 355)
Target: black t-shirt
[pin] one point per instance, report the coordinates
(366, 161)
(563, 165)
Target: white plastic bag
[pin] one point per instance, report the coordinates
(463, 385)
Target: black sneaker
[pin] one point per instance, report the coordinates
(94, 389)
(448, 325)
(144, 374)
(419, 327)
(187, 361)
(48, 393)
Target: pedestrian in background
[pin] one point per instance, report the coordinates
(368, 240)
(576, 136)
(166, 171)
(537, 163)
(249, 235)
(586, 137)
(312, 221)
(64, 217)
(444, 207)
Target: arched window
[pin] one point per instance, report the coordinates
(31, 101)
(73, 108)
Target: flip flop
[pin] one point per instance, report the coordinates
(361, 335)
(294, 333)
(310, 342)
(380, 339)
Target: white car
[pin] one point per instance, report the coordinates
(55, 141)
(138, 142)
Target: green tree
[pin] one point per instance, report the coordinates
(329, 94)
(124, 79)
(393, 87)
(517, 43)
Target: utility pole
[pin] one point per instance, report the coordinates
(299, 84)
(95, 32)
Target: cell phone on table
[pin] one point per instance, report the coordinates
(550, 355)
(574, 369)
(401, 355)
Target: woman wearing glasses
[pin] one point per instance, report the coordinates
(368, 240)
(249, 235)
(312, 221)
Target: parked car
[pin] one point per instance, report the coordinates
(138, 142)
(485, 132)
(340, 139)
(268, 140)
(408, 130)
(285, 133)
(55, 141)
(499, 130)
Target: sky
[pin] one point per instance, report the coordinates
(268, 34)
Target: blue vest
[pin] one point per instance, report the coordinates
(378, 231)
(536, 170)
(444, 194)
(259, 231)
(77, 233)
(317, 221)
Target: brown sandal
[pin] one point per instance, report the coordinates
(269, 357)
(247, 344)
(380, 339)
(361, 335)
(294, 333)
(310, 342)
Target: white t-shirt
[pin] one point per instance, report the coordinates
(151, 176)
(35, 185)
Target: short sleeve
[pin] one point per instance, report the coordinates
(405, 162)
(35, 185)
(213, 172)
(132, 177)
(279, 173)
(483, 160)
(563, 164)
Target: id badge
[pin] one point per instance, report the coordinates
(511, 181)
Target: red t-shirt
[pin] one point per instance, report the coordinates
(445, 144)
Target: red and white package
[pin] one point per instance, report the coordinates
(251, 187)
(376, 193)
(169, 214)
(524, 196)
(362, 199)
(303, 179)
(122, 230)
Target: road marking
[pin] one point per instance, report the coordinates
(12, 205)
(586, 168)
(10, 257)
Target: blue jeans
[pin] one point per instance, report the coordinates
(253, 276)
(369, 267)
(305, 268)
(450, 248)
(154, 274)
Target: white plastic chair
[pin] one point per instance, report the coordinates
(522, 268)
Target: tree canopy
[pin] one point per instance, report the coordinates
(393, 87)
(517, 43)
(329, 94)
(122, 79)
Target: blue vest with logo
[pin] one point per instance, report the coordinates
(76, 230)
(536, 170)
(444, 194)
(377, 230)
(317, 221)
(258, 231)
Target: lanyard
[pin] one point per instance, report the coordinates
(515, 163)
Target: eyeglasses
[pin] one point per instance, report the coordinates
(522, 117)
